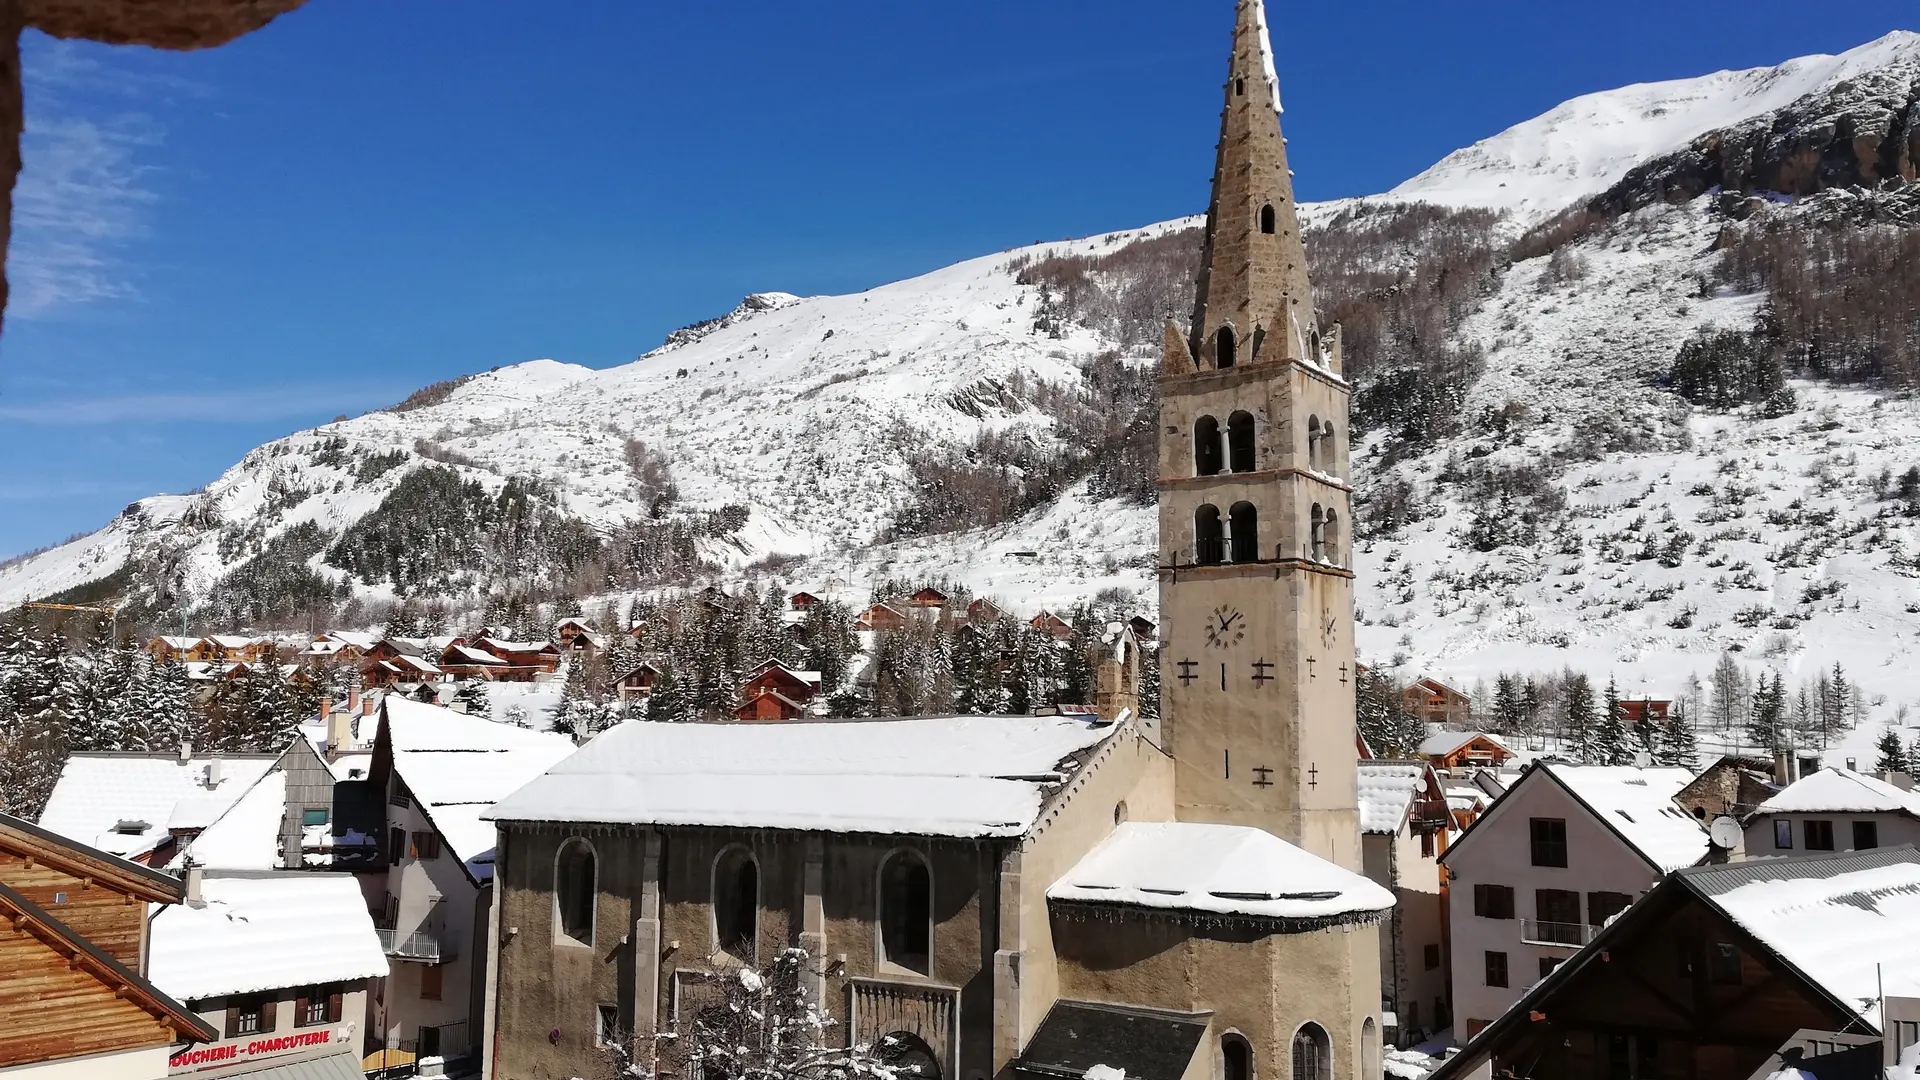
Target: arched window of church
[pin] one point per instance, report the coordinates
(574, 886)
(1206, 447)
(1240, 442)
(906, 912)
(736, 903)
(1370, 1043)
(1239, 88)
(1209, 536)
(1329, 450)
(1312, 1053)
(1318, 543)
(1224, 343)
(1236, 1058)
(1332, 536)
(1313, 442)
(1268, 219)
(1244, 522)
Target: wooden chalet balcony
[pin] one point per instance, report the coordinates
(1569, 935)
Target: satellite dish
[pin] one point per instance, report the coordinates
(1725, 833)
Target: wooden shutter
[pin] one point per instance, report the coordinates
(333, 1007)
(233, 1019)
(300, 1009)
(269, 1014)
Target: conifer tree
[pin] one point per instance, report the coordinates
(1506, 704)
(1381, 715)
(1893, 756)
(473, 695)
(668, 702)
(1729, 692)
(1610, 744)
(1529, 706)
(1677, 745)
(1578, 721)
(1766, 723)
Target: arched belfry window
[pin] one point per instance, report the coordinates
(1268, 219)
(1240, 442)
(1236, 1058)
(1312, 1053)
(1244, 527)
(1332, 535)
(736, 903)
(1209, 537)
(1239, 88)
(1318, 544)
(574, 886)
(1313, 442)
(1206, 447)
(1224, 344)
(906, 912)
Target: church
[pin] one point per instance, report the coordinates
(999, 896)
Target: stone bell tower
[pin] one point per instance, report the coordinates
(1256, 594)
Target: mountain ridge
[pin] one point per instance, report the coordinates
(804, 429)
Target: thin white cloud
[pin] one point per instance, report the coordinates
(84, 189)
(220, 406)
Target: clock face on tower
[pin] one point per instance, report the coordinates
(1227, 628)
(1329, 629)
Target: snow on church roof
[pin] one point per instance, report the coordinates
(1217, 869)
(265, 933)
(1387, 790)
(1836, 790)
(456, 766)
(960, 776)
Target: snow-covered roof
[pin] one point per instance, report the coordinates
(265, 933)
(235, 641)
(1441, 743)
(467, 654)
(963, 776)
(1219, 870)
(1387, 790)
(1840, 791)
(1638, 804)
(98, 791)
(247, 836)
(344, 767)
(1846, 921)
(176, 641)
(457, 766)
(357, 640)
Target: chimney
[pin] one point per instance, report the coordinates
(353, 700)
(340, 727)
(194, 876)
(367, 706)
(1852, 764)
(1782, 768)
(213, 773)
(326, 709)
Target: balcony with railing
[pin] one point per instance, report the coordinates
(1567, 935)
(423, 944)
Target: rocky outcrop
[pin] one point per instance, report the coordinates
(1863, 133)
(162, 24)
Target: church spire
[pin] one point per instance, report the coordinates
(1253, 302)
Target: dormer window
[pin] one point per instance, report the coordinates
(130, 827)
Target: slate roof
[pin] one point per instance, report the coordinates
(1149, 1044)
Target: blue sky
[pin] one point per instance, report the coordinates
(214, 249)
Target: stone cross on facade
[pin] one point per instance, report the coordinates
(161, 24)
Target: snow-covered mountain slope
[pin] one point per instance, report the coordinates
(1583, 147)
(1665, 534)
